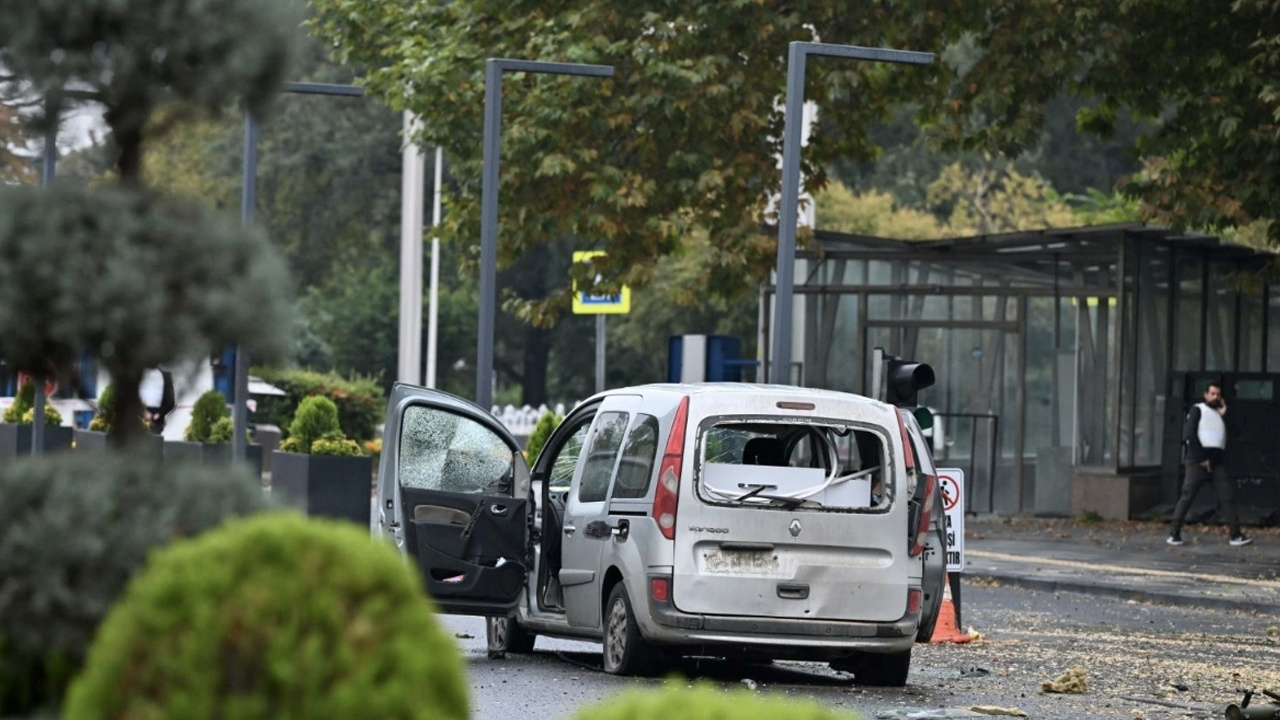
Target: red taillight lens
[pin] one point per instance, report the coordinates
(908, 456)
(660, 589)
(667, 495)
(914, 598)
(926, 514)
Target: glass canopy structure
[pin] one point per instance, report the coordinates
(1055, 350)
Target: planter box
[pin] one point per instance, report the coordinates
(212, 453)
(324, 485)
(89, 440)
(15, 440)
(95, 441)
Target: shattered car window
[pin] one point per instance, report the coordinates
(443, 451)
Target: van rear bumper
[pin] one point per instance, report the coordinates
(673, 627)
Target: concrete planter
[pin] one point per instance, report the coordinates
(212, 453)
(324, 485)
(15, 440)
(89, 440)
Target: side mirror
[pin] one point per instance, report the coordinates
(924, 417)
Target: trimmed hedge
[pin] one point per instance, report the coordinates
(278, 617)
(74, 528)
(705, 702)
(361, 401)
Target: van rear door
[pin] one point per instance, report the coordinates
(770, 556)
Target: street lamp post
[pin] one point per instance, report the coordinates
(248, 203)
(780, 357)
(493, 69)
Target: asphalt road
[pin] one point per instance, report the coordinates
(1140, 661)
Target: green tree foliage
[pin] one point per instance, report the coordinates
(987, 197)
(137, 57)
(873, 213)
(685, 135)
(677, 701)
(273, 617)
(1201, 73)
(209, 408)
(74, 529)
(136, 278)
(14, 168)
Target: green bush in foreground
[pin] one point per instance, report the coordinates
(704, 702)
(74, 529)
(277, 617)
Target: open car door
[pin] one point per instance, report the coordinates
(453, 493)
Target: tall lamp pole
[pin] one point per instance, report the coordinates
(780, 357)
(493, 69)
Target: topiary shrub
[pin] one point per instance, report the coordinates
(338, 446)
(273, 617)
(208, 410)
(22, 410)
(73, 530)
(547, 423)
(315, 430)
(222, 431)
(705, 702)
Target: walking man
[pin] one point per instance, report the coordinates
(1205, 437)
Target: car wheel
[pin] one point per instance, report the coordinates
(625, 651)
(877, 669)
(504, 635)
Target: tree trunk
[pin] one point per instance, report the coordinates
(537, 348)
(127, 427)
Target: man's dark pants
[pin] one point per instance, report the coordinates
(1194, 478)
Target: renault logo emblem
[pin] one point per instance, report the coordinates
(795, 528)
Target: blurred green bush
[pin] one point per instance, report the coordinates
(74, 529)
(273, 618)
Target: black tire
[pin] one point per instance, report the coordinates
(504, 635)
(931, 607)
(877, 669)
(625, 651)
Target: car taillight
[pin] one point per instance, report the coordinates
(914, 598)
(667, 495)
(926, 515)
(660, 588)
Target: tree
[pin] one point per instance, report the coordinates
(14, 168)
(134, 276)
(1203, 74)
(685, 135)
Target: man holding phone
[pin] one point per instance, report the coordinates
(1205, 437)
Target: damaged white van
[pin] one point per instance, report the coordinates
(727, 519)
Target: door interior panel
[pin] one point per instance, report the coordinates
(468, 545)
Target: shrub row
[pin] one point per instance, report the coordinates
(361, 401)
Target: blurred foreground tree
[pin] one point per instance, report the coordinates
(14, 167)
(127, 273)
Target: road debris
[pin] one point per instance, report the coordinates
(939, 713)
(1072, 681)
(751, 684)
(994, 710)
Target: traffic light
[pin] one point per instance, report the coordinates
(906, 378)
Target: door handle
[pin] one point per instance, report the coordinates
(569, 529)
(498, 510)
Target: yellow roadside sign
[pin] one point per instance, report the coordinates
(584, 303)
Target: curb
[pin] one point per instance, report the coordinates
(1138, 595)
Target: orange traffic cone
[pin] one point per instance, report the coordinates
(946, 630)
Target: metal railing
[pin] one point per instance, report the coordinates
(978, 433)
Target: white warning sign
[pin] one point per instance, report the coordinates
(951, 485)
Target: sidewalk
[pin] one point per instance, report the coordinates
(1128, 560)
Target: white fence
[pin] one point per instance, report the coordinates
(521, 420)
